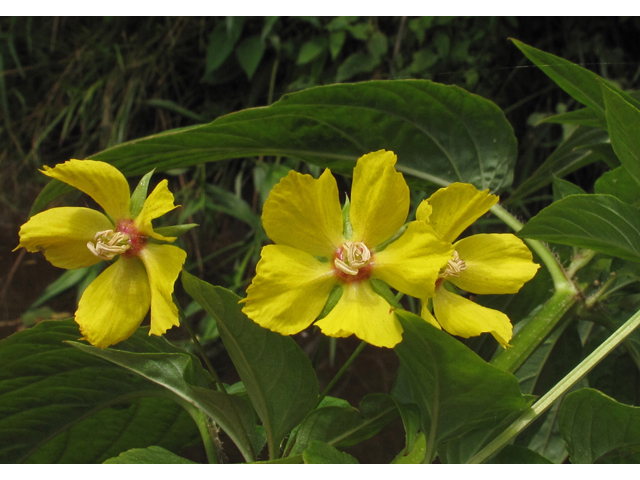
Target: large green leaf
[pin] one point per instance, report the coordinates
(580, 83)
(319, 452)
(59, 405)
(619, 183)
(597, 428)
(344, 426)
(440, 133)
(599, 222)
(153, 455)
(623, 124)
(457, 392)
(276, 373)
(177, 374)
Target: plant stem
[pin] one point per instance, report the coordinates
(209, 435)
(538, 326)
(539, 323)
(344, 368)
(558, 390)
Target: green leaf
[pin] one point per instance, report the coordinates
(623, 124)
(139, 195)
(277, 374)
(336, 41)
(517, 454)
(149, 455)
(183, 379)
(221, 44)
(570, 155)
(595, 425)
(585, 116)
(319, 452)
(249, 53)
(356, 64)
(563, 188)
(59, 405)
(416, 454)
(456, 390)
(310, 50)
(580, 83)
(175, 230)
(599, 222)
(345, 426)
(620, 184)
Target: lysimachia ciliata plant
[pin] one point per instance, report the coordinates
(416, 271)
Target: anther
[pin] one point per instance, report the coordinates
(355, 255)
(455, 266)
(108, 244)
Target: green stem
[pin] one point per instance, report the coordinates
(538, 326)
(558, 390)
(344, 368)
(208, 433)
(540, 323)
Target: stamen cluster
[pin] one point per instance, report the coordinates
(455, 266)
(352, 257)
(108, 244)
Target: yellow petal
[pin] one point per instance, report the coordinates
(101, 181)
(63, 233)
(496, 263)
(426, 315)
(305, 213)
(464, 318)
(163, 264)
(115, 303)
(455, 208)
(379, 198)
(366, 314)
(411, 263)
(289, 290)
(157, 204)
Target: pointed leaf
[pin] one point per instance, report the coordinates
(345, 426)
(623, 124)
(619, 183)
(441, 134)
(59, 405)
(595, 427)
(153, 455)
(455, 389)
(319, 452)
(599, 222)
(276, 373)
(580, 83)
(176, 373)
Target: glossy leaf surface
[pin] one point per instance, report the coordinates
(51, 395)
(456, 390)
(441, 134)
(599, 222)
(149, 455)
(597, 428)
(276, 373)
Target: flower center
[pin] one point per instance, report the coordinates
(125, 240)
(455, 266)
(108, 244)
(353, 261)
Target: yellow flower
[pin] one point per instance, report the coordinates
(116, 302)
(480, 264)
(314, 253)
